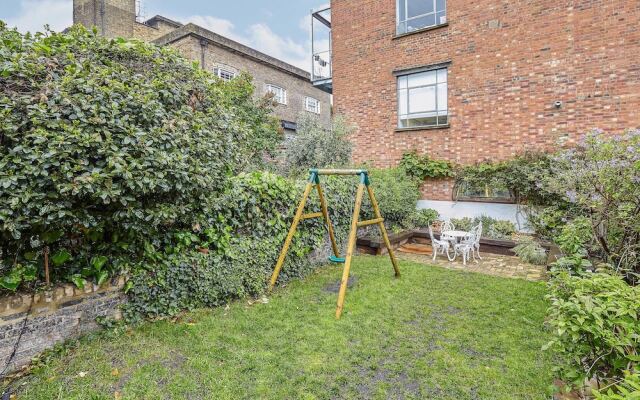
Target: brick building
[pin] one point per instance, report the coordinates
(293, 92)
(483, 80)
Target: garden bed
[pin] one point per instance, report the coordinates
(375, 246)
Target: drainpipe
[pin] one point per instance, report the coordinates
(203, 49)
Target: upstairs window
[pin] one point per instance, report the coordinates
(224, 74)
(422, 99)
(312, 105)
(279, 94)
(414, 15)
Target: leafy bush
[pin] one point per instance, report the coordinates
(530, 251)
(600, 178)
(242, 240)
(422, 166)
(424, 217)
(627, 389)
(105, 143)
(491, 227)
(314, 146)
(397, 195)
(523, 176)
(572, 241)
(595, 320)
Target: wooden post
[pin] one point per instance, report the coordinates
(350, 245)
(383, 230)
(292, 231)
(325, 213)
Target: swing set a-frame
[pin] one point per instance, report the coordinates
(314, 181)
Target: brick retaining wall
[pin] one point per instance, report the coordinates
(52, 317)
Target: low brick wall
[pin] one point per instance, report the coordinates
(53, 316)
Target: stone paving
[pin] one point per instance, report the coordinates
(491, 264)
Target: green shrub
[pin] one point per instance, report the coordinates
(314, 146)
(600, 179)
(422, 166)
(424, 217)
(491, 227)
(595, 320)
(530, 251)
(572, 240)
(107, 143)
(397, 195)
(627, 389)
(243, 237)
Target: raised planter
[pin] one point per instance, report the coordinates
(376, 246)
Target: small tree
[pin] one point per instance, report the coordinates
(601, 178)
(314, 146)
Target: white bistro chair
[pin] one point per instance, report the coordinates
(441, 246)
(470, 245)
(447, 226)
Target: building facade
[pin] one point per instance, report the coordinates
(290, 86)
(484, 80)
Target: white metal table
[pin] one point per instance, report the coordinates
(457, 235)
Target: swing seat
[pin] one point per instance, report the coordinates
(337, 260)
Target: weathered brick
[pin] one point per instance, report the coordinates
(510, 61)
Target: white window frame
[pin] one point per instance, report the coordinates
(279, 93)
(224, 73)
(402, 25)
(441, 111)
(310, 100)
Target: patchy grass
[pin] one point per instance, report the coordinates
(433, 333)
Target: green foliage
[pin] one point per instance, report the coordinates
(491, 227)
(572, 241)
(522, 176)
(397, 195)
(627, 389)
(530, 251)
(242, 238)
(600, 178)
(107, 143)
(595, 320)
(314, 146)
(424, 217)
(422, 166)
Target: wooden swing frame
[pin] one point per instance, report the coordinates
(314, 181)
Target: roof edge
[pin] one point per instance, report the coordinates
(222, 41)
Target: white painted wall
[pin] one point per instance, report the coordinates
(461, 209)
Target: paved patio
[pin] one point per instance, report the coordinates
(491, 264)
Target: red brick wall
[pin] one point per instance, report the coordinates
(510, 61)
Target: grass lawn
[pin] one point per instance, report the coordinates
(432, 334)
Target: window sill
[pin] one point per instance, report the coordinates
(423, 128)
(429, 28)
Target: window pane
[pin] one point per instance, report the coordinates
(422, 99)
(402, 28)
(422, 22)
(419, 7)
(440, 5)
(425, 121)
(402, 82)
(423, 78)
(442, 96)
(441, 18)
(442, 75)
(401, 10)
(443, 119)
(403, 108)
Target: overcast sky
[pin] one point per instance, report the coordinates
(279, 28)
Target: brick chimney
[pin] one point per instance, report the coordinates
(113, 18)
